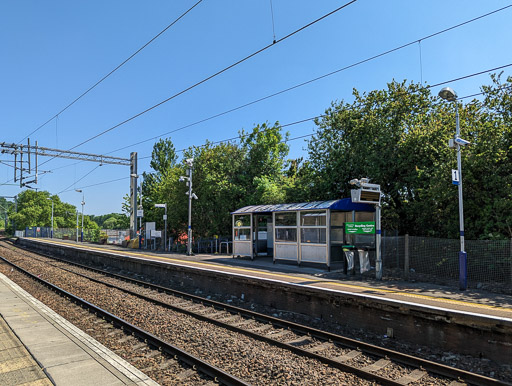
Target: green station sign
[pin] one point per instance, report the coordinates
(360, 228)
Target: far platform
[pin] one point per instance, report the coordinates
(472, 301)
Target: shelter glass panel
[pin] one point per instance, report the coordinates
(242, 234)
(337, 234)
(286, 234)
(242, 220)
(313, 235)
(286, 219)
(365, 216)
(313, 218)
(340, 218)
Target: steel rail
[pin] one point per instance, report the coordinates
(196, 363)
(404, 359)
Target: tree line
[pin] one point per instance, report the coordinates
(34, 208)
(398, 137)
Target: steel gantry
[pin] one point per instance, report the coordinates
(22, 166)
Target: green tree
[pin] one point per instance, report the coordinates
(398, 137)
(35, 209)
(262, 172)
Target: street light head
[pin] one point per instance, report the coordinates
(448, 94)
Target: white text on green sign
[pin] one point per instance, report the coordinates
(360, 228)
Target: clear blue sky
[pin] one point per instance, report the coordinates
(52, 51)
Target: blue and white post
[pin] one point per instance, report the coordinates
(463, 256)
(378, 238)
(451, 96)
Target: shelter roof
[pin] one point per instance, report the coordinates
(344, 204)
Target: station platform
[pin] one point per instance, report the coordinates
(39, 347)
(495, 307)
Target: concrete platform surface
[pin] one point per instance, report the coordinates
(39, 347)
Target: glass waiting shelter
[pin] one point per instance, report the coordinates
(312, 232)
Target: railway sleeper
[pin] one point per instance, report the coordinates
(414, 376)
(185, 374)
(379, 365)
(279, 334)
(348, 356)
(301, 341)
(321, 347)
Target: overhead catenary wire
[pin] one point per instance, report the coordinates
(298, 85)
(283, 141)
(97, 184)
(360, 105)
(379, 55)
(110, 73)
(80, 179)
(212, 76)
(319, 116)
(315, 80)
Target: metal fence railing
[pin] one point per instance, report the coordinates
(105, 236)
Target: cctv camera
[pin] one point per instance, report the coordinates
(194, 196)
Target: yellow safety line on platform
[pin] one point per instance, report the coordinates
(294, 278)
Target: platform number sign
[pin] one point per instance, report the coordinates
(455, 177)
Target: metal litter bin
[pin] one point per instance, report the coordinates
(364, 260)
(348, 251)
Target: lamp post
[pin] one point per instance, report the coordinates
(83, 203)
(165, 223)
(51, 234)
(77, 225)
(451, 96)
(191, 195)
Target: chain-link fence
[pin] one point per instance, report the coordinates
(489, 262)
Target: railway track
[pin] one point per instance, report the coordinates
(134, 341)
(364, 360)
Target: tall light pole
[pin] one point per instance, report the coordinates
(77, 225)
(451, 96)
(165, 223)
(191, 195)
(51, 234)
(83, 203)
